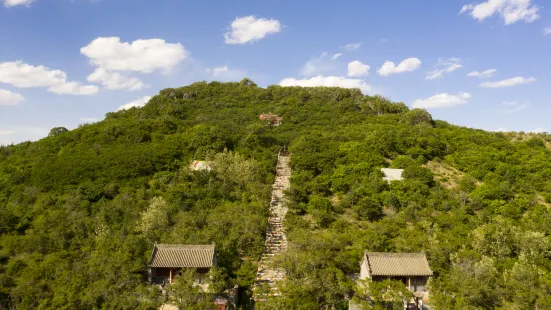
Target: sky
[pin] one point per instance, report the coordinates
(481, 64)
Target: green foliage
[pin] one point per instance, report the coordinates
(387, 294)
(187, 295)
(79, 209)
(57, 131)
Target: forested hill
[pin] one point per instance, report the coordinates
(81, 209)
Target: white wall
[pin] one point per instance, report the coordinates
(364, 270)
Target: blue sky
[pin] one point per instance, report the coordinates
(66, 62)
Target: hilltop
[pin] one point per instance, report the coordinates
(80, 210)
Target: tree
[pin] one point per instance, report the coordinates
(186, 294)
(154, 219)
(57, 131)
(369, 209)
(387, 294)
(247, 82)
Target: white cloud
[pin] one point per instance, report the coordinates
(10, 98)
(484, 74)
(508, 83)
(114, 81)
(17, 135)
(138, 103)
(74, 88)
(337, 55)
(444, 66)
(538, 130)
(511, 11)
(10, 3)
(352, 46)
(442, 101)
(357, 68)
(515, 107)
(318, 66)
(501, 130)
(88, 120)
(23, 75)
(329, 81)
(250, 29)
(407, 65)
(219, 70)
(143, 56)
(546, 30)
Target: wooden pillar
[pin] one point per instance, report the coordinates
(409, 283)
(170, 277)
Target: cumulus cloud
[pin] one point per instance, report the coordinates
(352, 46)
(356, 68)
(511, 11)
(23, 75)
(546, 30)
(138, 103)
(144, 56)
(10, 3)
(337, 55)
(10, 98)
(508, 83)
(444, 66)
(74, 88)
(443, 100)
(250, 29)
(114, 80)
(407, 65)
(484, 74)
(328, 81)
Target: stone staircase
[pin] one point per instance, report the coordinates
(276, 241)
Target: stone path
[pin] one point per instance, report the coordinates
(276, 240)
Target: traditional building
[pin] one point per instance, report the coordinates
(169, 259)
(412, 269)
(274, 119)
(392, 174)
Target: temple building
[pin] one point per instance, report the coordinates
(169, 259)
(412, 269)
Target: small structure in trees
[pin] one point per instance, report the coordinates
(392, 174)
(169, 259)
(412, 269)
(200, 165)
(272, 118)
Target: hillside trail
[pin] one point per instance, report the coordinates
(276, 241)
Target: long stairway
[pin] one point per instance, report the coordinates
(276, 240)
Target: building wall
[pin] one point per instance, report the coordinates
(364, 270)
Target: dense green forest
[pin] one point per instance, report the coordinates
(80, 210)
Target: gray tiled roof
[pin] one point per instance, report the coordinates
(182, 256)
(398, 264)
